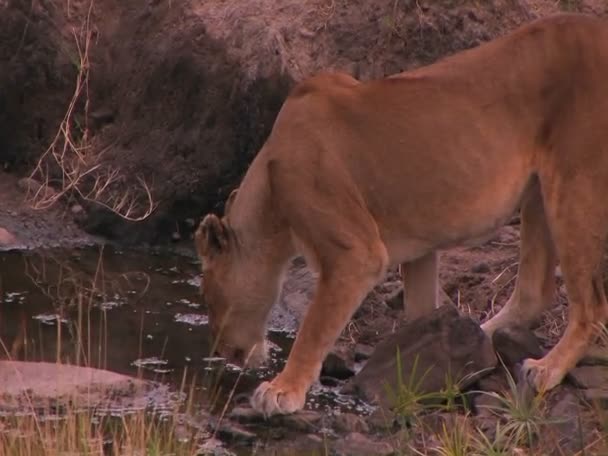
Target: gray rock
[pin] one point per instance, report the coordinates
(567, 424)
(514, 344)
(440, 344)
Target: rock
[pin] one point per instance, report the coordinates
(514, 344)
(305, 421)
(382, 420)
(245, 414)
(338, 365)
(443, 343)
(486, 412)
(331, 382)
(363, 352)
(590, 377)
(360, 445)
(7, 238)
(495, 382)
(349, 422)
(213, 447)
(302, 421)
(234, 433)
(598, 396)
(596, 354)
(567, 424)
(38, 385)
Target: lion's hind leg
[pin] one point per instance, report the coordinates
(535, 284)
(579, 227)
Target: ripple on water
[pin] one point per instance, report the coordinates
(14, 296)
(153, 364)
(50, 319)
(191, 319)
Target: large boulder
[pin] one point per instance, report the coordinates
(430, 350)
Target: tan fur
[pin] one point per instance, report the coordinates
(362, 176)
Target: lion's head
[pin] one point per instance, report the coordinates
(240, 283)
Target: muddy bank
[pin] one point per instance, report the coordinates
(181, 95)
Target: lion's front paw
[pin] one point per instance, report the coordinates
(541, 374)
(270, 398)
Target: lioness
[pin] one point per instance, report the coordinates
(360, 176)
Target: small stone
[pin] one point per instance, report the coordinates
(349, 422)
(558, 272)
(6, 237)
(30, 185)
(514, 344)
(213, 447)
(363, 352)
(76, 209)
(337, 365)
(361, 445)
(481, 268)
(395, 299)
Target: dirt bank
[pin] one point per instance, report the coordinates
(180, 95)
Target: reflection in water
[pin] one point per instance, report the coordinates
(133, 312)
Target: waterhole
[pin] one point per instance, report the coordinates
(134, 312)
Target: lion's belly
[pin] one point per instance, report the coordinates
(452, 215)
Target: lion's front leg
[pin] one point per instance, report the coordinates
(342, 286)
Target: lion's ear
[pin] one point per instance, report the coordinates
(230, 200)
(211, 237)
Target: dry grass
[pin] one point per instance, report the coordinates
(71, 165)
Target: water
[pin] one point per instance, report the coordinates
(134, 312)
